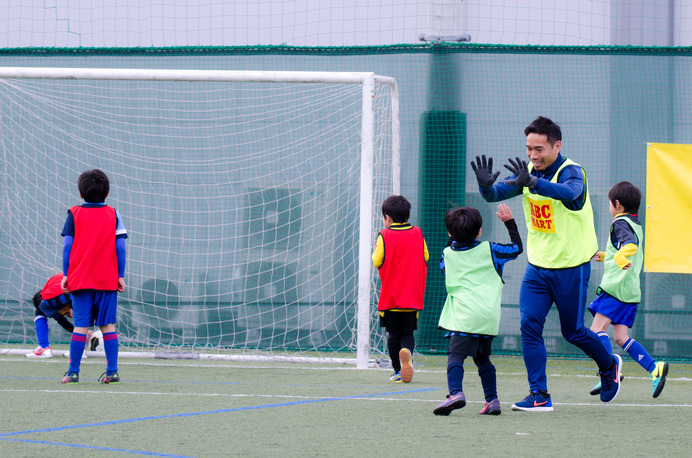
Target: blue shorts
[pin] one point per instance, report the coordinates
(611, 308)
(94, 308)
(60, 305)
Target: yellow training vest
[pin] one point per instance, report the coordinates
(558, 237)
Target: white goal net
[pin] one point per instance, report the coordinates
(251, 200)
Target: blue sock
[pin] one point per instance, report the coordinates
(110, 346)
(77, 346)
(455, 378)
(41, 324)
(639, 354)
(605, 340)
(488, 377)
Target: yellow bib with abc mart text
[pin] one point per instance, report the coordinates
(558, 238)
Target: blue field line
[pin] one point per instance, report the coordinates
(93, 447)
(210, 412)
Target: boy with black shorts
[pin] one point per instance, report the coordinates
(400, 255)
(471, 313)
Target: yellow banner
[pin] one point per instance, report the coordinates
(667, 239)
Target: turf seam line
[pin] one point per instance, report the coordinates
(93, 447)
(211, 412)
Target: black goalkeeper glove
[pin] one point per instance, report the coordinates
(521, 172)
(484, 171)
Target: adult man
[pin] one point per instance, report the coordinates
(561, 241)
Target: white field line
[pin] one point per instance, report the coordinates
(326, 398)
(296, 366)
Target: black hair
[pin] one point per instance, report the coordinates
(544, 126)
(93, 186)
(627, 194)
(463, 224)
(37, 299)
(397, 208)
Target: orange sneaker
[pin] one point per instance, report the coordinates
(406, 366)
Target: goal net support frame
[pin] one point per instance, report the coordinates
(367, 82)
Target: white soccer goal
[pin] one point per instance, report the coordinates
(251, 201)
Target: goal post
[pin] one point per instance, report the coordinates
(241, 192)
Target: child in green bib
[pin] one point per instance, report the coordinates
(619, 292)
(471, 313)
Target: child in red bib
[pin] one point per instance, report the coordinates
(93, 271)
(400, 256)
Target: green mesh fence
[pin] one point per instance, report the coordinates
(458, 101)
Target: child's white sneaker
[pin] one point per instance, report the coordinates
(40, 352)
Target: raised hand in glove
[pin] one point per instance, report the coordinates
(521, 172)
(484, 171)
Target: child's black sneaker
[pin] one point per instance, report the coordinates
(71, 378)
(109, 379)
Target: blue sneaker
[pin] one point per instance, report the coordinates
(658, 377)
(610, 380)
(457, 401)
(395, 378)
(535, 402)
(597, 388)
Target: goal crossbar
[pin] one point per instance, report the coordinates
(186, 75)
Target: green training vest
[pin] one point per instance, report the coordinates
(474, 291)
(558, 237)
(623, 285)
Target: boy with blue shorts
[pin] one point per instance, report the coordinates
(51, 302)
(93, 271)
(619, 292)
